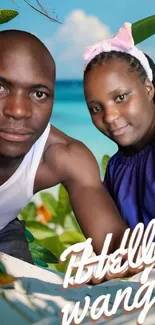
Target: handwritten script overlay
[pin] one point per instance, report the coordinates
(86, 266)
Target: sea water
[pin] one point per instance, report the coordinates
(71, 115)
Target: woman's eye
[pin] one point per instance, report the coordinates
(96, 109)
(40, 95)
(120, 98)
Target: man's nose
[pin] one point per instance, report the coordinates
(111, 114)
(17, 107)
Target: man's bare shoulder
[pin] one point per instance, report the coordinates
(58, 138)
(61, 145)
(61, 154)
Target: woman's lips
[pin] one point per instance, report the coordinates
(15, 137)
(119, 131)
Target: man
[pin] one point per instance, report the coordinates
(35, 155)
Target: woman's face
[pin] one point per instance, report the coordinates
(121, 106)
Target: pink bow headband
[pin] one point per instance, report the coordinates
(122, 42)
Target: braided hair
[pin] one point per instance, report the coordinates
(134, 64)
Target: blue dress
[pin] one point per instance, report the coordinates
(130, 181)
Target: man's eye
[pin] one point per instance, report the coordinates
(96, 109)
(120, 98)
(2, 89)
(40, 95)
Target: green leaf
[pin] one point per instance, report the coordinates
(63, 206)
(71, 237)
(49, 202)
(39, 231)
(143, 29)
(38, 262)
(104, 163)
(53, 244)
(60, 267)
(2, 268)
(42, 253)
(71, 223)
(29, 212)
(29, 236)
(7, 14)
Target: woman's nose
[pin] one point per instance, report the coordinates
(111, 114)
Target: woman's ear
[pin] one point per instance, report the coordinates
(150, 89)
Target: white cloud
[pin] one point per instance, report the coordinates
(78, 31)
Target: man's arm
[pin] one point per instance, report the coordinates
(75, 167)
(94, 209)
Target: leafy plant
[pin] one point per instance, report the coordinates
(143, 29)
(104, 163)
(6, 15)
(52, 227)
(41, 253)
(29, 212)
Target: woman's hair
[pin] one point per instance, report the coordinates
(134, 64)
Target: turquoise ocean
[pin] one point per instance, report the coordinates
(70, 115)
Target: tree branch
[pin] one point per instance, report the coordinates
(41, 7)
(42, 11)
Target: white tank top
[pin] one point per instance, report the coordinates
(17, 191)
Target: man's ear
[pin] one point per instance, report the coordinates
(150, 89)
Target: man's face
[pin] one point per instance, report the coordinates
(26, 98)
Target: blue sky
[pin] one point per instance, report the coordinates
(84, 22)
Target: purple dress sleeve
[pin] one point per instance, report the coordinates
(131, 183)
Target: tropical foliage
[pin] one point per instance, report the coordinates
(143, 29)
(7, 14)
(52, 227)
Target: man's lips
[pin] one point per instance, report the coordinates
(119, 131)
(15, 135)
